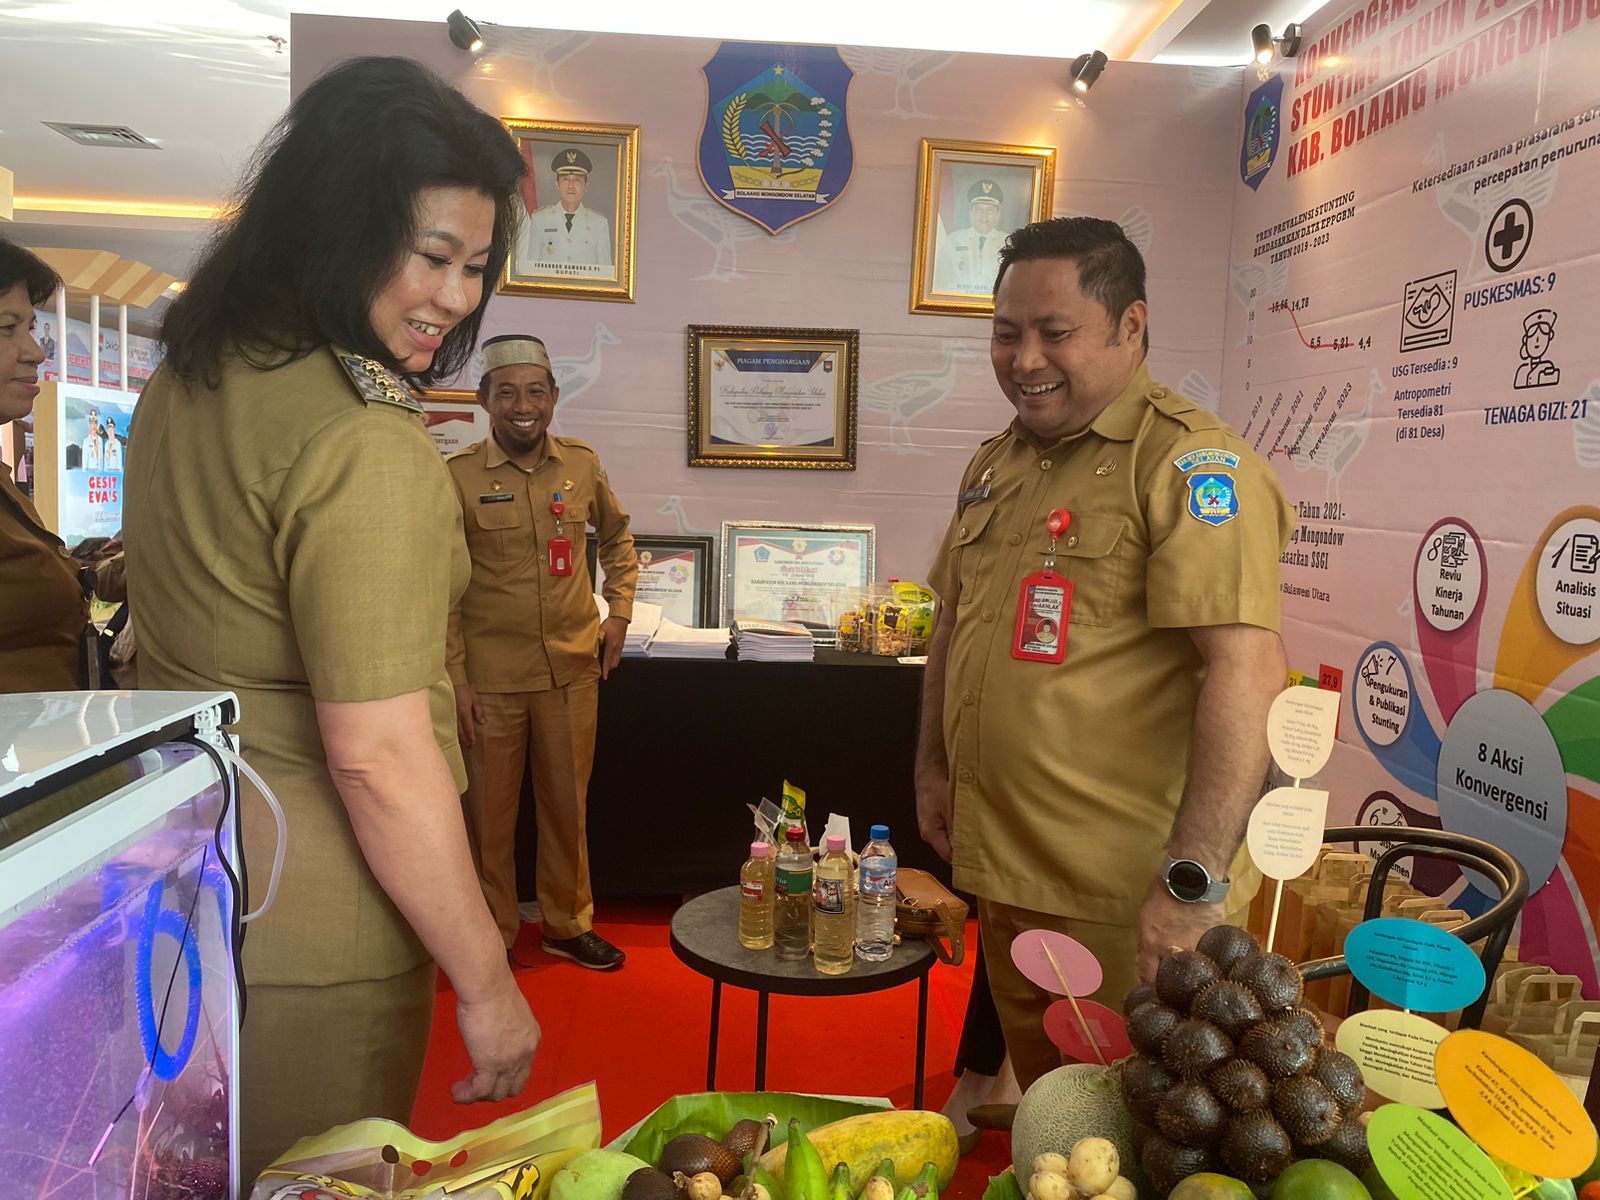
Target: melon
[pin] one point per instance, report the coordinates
(1066, 1105)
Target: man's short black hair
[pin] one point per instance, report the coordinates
(1110, 267)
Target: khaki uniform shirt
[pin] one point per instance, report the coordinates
(522, 629)
(291, 536)
(1067, 776)
(42, 610)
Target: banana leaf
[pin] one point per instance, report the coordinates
(1003, 1187)
(714, 1113)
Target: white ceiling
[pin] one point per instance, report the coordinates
(205, 80)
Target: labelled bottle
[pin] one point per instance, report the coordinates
(791, 913)
(876, 902)
(835, 902)
(756, 882)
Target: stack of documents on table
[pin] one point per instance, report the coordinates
(642, 629)
(772, 641)
(672, 640)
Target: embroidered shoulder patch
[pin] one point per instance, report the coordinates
(1226, 459)
(1213, 498)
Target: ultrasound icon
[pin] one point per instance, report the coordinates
(1428, 313)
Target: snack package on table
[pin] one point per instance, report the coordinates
(515, 1158)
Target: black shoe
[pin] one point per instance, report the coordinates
(587, 950)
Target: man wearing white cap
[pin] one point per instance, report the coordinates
(527, 647)
(566, 233)
(969, 259)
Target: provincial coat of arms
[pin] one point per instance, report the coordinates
(1262, 123)
(776, 142)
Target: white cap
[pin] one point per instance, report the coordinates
(511, 349)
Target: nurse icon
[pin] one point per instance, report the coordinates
(1538, 331)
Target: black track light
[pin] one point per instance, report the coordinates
(1267, 47)
(1261, 41)
(464, 33)
(1086, 69)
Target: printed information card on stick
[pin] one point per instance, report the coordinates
(1513, 1105)
(1300, 729)
(1412, 964)
(1395, 1051)
(1421, 1156)
(1285, 831)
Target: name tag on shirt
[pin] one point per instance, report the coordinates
(494, 497)
(981, 492)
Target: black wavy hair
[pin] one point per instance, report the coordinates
(1110, 267)
(27, 268)
(326, 215)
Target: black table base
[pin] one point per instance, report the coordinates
(705, 938)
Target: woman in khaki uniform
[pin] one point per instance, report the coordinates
(42, 610)
(293, 536)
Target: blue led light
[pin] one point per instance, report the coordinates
(158, 920)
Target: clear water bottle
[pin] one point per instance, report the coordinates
(755, 899)
(834, 900)
(791, 914)
(875, 904)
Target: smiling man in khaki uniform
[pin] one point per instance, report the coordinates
(523, 647)
(1094, 775)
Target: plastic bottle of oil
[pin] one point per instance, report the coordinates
(755, 899)
(791, 915)
(835, 902)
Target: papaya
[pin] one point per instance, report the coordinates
(911, 1138)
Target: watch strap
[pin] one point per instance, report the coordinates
(1216, 890)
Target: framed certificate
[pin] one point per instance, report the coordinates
(454, 418)
(970, 196)
(675, 572)
(773, 397)
(777, 572)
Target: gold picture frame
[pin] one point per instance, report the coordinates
(961, 188)
(581, 252)
(768, 397)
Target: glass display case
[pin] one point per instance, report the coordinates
(119, 928)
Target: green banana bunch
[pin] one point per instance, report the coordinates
(803, 1175)
(839, 1186)
(926, 1186)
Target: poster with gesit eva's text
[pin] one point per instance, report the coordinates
(1413, 277)
(91, 446)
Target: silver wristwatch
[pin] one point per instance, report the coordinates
(1191, 883)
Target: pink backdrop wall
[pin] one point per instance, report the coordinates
(1152, 148)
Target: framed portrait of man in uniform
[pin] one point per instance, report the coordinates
(576, 237)
(970, 196)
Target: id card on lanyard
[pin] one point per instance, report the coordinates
(1044, 605)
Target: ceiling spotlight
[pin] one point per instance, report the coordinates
(1267, 47)
(464, 33)
(1086, 69)
(1261, 39)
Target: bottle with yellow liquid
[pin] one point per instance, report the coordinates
(834, 904)
(755, 899)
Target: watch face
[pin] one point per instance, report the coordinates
(1187, 880)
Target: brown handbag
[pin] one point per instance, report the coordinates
(925, 908)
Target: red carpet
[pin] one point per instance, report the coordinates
(640, 1034)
